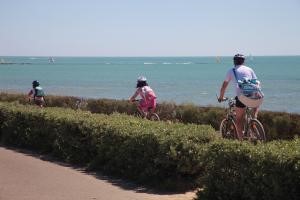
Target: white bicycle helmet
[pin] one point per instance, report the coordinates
(141, 79)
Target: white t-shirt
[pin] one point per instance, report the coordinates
(242, 72)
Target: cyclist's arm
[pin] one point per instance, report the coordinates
(134, 95)
(30, 93)
(229, 76)
(222, 90)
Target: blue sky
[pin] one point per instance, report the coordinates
(149, 27)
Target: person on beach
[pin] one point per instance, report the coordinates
(148, 97)
(37, 94)
(239, 72)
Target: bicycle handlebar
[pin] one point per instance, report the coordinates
(224, 99)
(135, 100)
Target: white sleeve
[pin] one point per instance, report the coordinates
(253, 75)
(229, 75)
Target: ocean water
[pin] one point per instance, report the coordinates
(194, 80)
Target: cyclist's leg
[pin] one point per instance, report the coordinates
(142, 107)
(142, 112)
(152, 105)
(240, 116)
(255, 112)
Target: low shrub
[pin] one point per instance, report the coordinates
(278, 125)
(236, 170)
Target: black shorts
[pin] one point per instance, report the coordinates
(238, 103)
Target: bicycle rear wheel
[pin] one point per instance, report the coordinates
(154, 117)
(256, 131)
(228, 129)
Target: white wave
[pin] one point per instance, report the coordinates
(185, 63)
(166, 63)
(146, 63)
(149, 63)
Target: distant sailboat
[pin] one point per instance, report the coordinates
(218, 59)
(51, 60)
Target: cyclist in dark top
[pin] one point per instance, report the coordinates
(37, 94)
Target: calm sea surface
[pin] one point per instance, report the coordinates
(177, 79)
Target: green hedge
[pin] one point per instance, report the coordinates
(278, 125)
(236, 170)
(168, 156)
(155, 153)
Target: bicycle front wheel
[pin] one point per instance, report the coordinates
(256, 131)
(228, 129)
(154, 117)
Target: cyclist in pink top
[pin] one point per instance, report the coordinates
(148, 97)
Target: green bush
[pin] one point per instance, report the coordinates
(280, 125)
(141, 150)
(165, 155)
(277, 125)
(236, 170)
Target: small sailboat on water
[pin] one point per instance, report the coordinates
(51, 60)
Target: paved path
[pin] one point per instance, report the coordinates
(27, 177)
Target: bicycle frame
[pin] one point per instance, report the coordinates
(147, 114)
(231, 109)
(256, 132)
(248, 118)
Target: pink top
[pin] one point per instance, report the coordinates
(145, 92)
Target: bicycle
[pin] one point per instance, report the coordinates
(253, 128)
(38, 102)
(146, 114)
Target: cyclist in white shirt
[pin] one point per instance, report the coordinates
(242, 73)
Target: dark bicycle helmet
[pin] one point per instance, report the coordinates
(239, 59)
(35, 83)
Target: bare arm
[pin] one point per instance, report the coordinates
(134, 95)
(30, 93)
(222, 90)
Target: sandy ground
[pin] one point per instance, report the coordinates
(24, 176)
